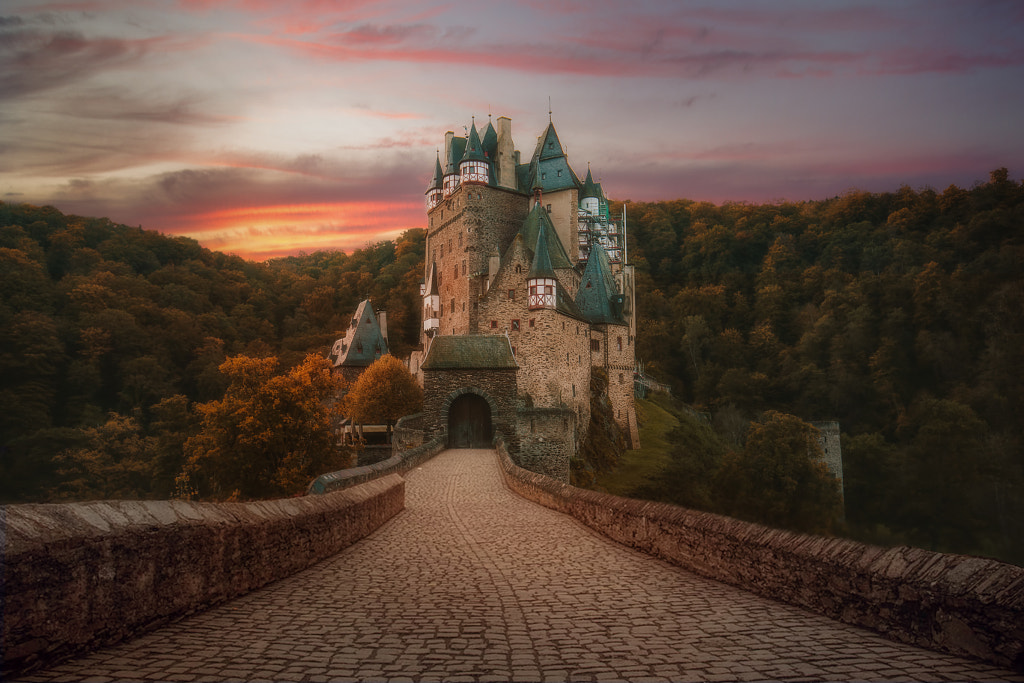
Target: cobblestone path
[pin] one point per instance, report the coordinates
(473, 583)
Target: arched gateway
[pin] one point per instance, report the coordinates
(469, 422)
(469, 387)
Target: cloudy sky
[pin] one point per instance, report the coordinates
(267, 127)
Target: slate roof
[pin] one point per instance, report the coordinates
(490, 141)
(474, 148)
(599, 299)
(590, 188)
(541, 265)
(363, 343)
(436, 181)
(531, 231)
(458, 149)
(470, 352)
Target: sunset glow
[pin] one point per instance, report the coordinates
(263, 128)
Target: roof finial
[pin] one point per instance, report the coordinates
(549, 108)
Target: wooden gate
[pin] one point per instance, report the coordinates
(469, 422)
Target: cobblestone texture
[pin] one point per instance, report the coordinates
(472, 583)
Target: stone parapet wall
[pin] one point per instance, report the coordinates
(396, 464)
(82, 575)
(953, 603)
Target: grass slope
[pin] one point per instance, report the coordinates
(644, 466)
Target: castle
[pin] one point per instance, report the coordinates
(526, 291)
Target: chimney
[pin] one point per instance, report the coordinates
(507, 159)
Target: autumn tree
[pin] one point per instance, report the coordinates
(384, 392)
(270, 434)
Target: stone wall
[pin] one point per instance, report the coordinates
(82, 575)
(397, 464)
(963, 605)
(498, 387)
(547, 441)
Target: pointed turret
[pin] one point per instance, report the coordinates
(454, 149)
(590, 188)
(541, 282)
(490, 142)
(435, 190)
(474, 166)
(598, 298)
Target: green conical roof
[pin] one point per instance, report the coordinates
(590, 188)
(598, 298)
(436, 181)
(490, 141)
(531, 231)
(541, 266)
(474, 149)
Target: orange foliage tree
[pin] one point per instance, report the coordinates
(270, 434)
(384, 392)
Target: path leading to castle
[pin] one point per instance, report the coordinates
(473, 583)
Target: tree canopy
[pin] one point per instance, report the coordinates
(384, 392)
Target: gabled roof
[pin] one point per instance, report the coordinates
(464, 352)
(531, 231)
(436, 181)
(363, 342)
(598, 298)
(474, 148)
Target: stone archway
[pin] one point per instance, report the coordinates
(469, 422)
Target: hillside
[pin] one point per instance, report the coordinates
(901, 315)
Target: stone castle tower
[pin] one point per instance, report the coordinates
(522, 250)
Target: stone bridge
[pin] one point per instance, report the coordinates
(472, 582)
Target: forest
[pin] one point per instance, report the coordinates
(900, 315)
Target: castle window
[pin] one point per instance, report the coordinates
(519, 268)
(513, 352)
(359, 347)
(563, 326)
(463, 306)
(566, 356)
(494, 324)
(621, 380)
(511, 295)
(595, 344)
(515, 325)
(619, 339)
(452, 307)
(460, 239)
(463, 266)
(543, 175)
(442, 249)
(531, 322)
(439, 279)
(559, 173)
(548, 208)
(574, 391)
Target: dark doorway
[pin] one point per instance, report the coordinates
(469, 422)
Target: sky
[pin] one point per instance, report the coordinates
(267, 127)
